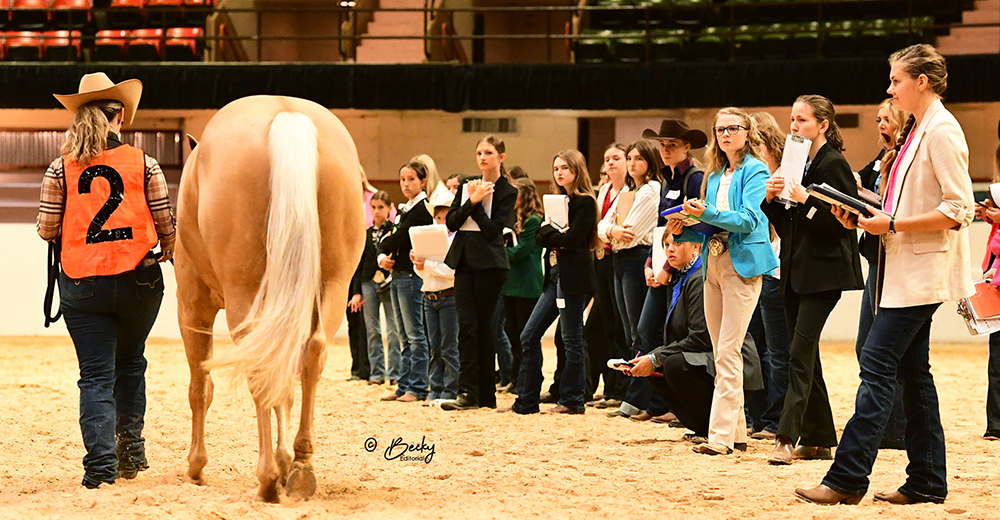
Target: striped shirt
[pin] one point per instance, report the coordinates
(641, 218)
(52, 204)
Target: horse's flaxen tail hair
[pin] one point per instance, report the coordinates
(271, 339)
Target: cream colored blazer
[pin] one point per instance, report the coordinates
(931, 266)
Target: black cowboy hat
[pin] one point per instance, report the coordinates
(677, 129)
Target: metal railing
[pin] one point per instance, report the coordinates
(561, 23)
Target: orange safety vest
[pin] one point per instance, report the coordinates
(107, 228)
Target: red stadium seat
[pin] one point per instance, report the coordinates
(183, 44)
(110, 45)
(72, 14)
(196, 11)
(163, 13)
(4, 17)
(125, 14)
(22, 46)
(145, 45)
(29, 14)
(62, 45)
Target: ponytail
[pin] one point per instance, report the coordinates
(88, 137)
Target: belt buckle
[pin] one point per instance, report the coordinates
(432, 296)
(717, 246)
(553, 258)
(600, 253)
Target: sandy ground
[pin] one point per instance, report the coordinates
(485, 465)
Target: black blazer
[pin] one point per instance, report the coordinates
(398, 243)
(817, 252)
(483, 249)
(369, 257)
(576, 262)
(686, 332)
(869, 244)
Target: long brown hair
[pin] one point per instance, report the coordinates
(581, 187)
(528, 203)
(649, 154)
(497, 143)
(823, 110)
(916, 60)
(772, 139)
(88, 137)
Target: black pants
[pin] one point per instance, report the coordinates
(516, 311)
(687, 390)
(993, 388)
(358, 337)
(807, 418)
(606, 338)
(477, 293)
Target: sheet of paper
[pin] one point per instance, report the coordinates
(625, 202)
(556, 209)
(659, 253)
(793, 164)
(430, 242)
(487, 203)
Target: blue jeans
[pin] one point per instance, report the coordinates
(108, 318)
(897, 347)
(505, 358)
(895, 431)
(442, 335)
(574, 377)
(373, 324)
(652, 319)
(779, 348)
(630, 292)
(408, 302)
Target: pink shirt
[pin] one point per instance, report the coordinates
(891, 188)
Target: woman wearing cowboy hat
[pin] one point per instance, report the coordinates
(106, 204)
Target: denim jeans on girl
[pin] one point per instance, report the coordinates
(373, 325)
(574, 377)
(408, 301)
(505, 358)
(442, 336)
(108, 318)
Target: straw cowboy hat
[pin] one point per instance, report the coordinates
(677, 129)
(438, 199)
(98, 87)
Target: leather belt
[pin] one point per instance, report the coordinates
(437, 295)
(718, 245)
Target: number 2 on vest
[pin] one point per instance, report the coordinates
(96, 233)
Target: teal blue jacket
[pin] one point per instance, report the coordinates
(749, 235)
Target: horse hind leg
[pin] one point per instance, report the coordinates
(196, 316)
(283, 452)
(268, 471)
(301, 480)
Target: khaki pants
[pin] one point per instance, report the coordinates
(729, 304)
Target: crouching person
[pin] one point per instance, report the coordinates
(685, 359)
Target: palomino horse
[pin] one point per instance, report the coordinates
(269, 228)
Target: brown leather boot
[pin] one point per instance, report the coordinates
(825, 496)
(813, 453)
(782, 454)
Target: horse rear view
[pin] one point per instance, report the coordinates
(270, 228)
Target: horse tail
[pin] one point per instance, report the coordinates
(271, 339)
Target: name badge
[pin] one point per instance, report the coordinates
(878, 165)
(673, 194)
(560, 303)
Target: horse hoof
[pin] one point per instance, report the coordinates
(198, 480)
(301, 482)
(270, 494)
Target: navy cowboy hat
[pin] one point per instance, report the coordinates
(678, 129)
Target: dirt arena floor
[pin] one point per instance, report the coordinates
(484, 465)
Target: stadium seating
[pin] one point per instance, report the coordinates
(125, 14)
(72, 14)
(62, 45)
(183, 44)
(22, 46)
(110, 45)
(145, 45)
(29, 14)
(163, 13)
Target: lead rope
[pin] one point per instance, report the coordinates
(53, 272)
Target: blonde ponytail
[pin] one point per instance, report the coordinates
(88, 137)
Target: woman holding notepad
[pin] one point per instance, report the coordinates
(927, 203)
(628, 228)
(482, 209)
(738, 256)
(819, 260)
(569, 282)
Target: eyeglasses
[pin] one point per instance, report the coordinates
(731, 129)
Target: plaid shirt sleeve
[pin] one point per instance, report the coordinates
(52, 202)
(159, 206)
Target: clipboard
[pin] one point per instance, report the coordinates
(430, 242)
(793, 165)
(835, 197)
(486, 203)
(659, 252)
(690, 221)
(972, 309)
(556, 209)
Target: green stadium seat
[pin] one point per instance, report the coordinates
(669, 45)
(711, 44)
(776, 41)
(841, 39)
(594, 47)
(612, 18)
(630, 49)
(873, 40)
(805, 42)
(745, 41)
